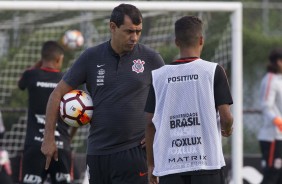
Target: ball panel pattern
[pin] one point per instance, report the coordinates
(76, 108)
(72, 39)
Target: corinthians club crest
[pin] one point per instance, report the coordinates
(138, 66)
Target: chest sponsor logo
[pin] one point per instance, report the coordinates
(186, 142)
(187, 161)
(46, 84)
(101, 72)
(100, 76)
(182, 150)
(40, 119)
(184, 120)
(194, 164)
(184, 78)
(138, 66)
(188, 158)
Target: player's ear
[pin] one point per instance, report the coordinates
(176, 42)
(59, 61)
(60, 58)
(201, 40)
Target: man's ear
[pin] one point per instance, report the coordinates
(113, 26)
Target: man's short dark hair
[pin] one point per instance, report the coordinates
(187, 30)
(51, 50)
(273, 57)
(131, 11)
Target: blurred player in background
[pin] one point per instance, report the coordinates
(117, 74)
(40, 81)
(5, 166)
(188, 110)
(270, 135)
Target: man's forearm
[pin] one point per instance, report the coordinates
(51, 115)
(52, 109)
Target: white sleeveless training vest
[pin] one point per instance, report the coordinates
(188, 133)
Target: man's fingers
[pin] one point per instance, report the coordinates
(143, 143)
(56, 156)
(48, 160)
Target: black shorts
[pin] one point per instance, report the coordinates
(214, 178)
(271, 152)
(125, 167)
(4, 177)
(271, 161)
(33, 167)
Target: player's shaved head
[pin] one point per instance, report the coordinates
(51, 50)
(188, 30)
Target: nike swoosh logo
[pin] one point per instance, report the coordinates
(98, 66)
(142, 174)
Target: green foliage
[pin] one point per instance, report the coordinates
(256, 47)
(258, 43)
(169, 53)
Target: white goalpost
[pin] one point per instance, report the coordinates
(154, 7)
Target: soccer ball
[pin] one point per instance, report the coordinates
(76, 108)
(72, 39)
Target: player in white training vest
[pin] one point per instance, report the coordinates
(188, 111)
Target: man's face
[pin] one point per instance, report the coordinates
(126, 36)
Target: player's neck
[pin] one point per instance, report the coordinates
(49, 65)
(188, 52)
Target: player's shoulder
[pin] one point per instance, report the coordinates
(270, 76)
(206, 65)
(31, 71)
(207, 62)
(273, 78)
